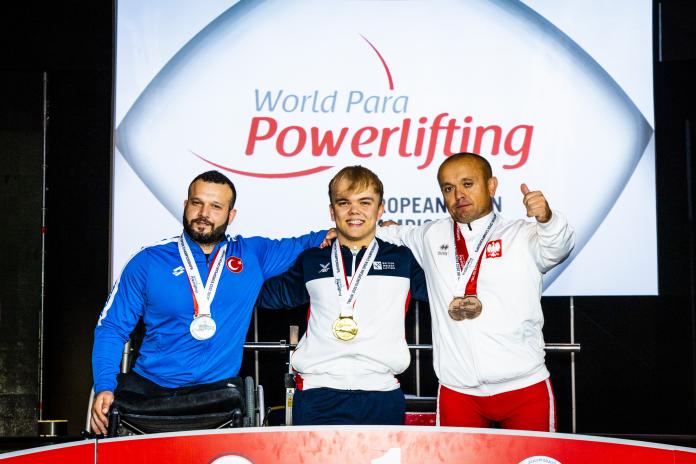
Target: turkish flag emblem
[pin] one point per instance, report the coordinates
(234, 264)
(494, 249)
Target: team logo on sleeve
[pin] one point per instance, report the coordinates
(494, 249)
(234, 264)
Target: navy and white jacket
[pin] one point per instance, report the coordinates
(154, 285)
(379, 351)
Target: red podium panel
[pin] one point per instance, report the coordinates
(356, 445)
(82, 452)
(384, 445)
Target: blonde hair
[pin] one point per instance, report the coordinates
(359, 178)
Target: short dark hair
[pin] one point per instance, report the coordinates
(483, 162)
(215, 177)
(360, 178)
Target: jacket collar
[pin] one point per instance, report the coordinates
(196, 248)
(476, 227)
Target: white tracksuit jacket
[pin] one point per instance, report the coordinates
(379, 352)
(503, 349)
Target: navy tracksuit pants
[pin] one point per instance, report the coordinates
(328, 406)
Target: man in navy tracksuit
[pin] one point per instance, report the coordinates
(358, 290)
(195, 294)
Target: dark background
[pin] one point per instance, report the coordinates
(636, 373)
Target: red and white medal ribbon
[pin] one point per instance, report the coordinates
(203, 326)
(467, 274)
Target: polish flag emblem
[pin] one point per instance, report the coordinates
(234, 264)
(494, 249)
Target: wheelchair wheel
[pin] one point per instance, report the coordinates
(250, 397)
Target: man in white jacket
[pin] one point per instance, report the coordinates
(484, 280)
(359, 291)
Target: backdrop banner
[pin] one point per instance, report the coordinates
(280, 95)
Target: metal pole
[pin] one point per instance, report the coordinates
(256, 353)
(572, 366)
(417, 335)
(43, 244)
(283, 345)
(659, 32)
(290, 384)
(692, 246)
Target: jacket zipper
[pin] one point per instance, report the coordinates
(352, 267)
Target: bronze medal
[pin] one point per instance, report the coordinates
(466, 307)
(345, 328)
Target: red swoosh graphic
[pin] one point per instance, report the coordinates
(280, 175)
(384, 63)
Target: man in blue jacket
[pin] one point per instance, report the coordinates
(195, 294)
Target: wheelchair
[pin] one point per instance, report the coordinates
(238, 403)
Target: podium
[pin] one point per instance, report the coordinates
(356, 445)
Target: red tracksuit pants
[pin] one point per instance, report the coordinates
(529, 408)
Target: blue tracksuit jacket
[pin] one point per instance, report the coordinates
(154, 286)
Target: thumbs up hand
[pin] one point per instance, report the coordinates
(536, 204)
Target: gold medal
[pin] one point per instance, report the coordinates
(345, 328)
(466, 307)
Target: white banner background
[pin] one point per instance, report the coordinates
(569, 84)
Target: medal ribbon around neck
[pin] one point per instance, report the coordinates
(467, 275)
(202, 296)
(348, 293)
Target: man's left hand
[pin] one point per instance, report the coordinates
(536, 204)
